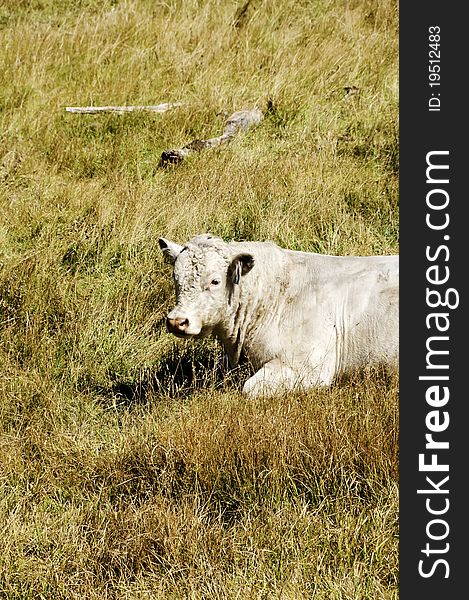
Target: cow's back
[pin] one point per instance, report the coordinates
(342, 312)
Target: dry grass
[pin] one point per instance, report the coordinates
(216, 496)
(131, 467)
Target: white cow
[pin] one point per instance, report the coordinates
(300, 318)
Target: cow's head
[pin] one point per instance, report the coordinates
(206, 272)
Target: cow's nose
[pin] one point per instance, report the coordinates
(178, 324)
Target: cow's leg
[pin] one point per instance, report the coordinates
(275, 377)
(271, 379)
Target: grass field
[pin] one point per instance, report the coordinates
(131, 467)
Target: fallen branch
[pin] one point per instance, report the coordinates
(238, 121)
(90, 110)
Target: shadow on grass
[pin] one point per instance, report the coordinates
(177, 375)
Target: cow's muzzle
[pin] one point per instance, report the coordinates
(177, 325)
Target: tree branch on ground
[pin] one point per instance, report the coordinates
(240, 120)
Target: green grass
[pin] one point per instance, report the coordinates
(130, 464)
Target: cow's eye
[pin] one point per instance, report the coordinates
(215, 282)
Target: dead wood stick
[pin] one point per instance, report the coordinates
(159, 108)
(238, 121)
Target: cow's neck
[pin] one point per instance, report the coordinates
(255, 308)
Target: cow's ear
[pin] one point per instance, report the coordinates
(240, 265)
(170, 249)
